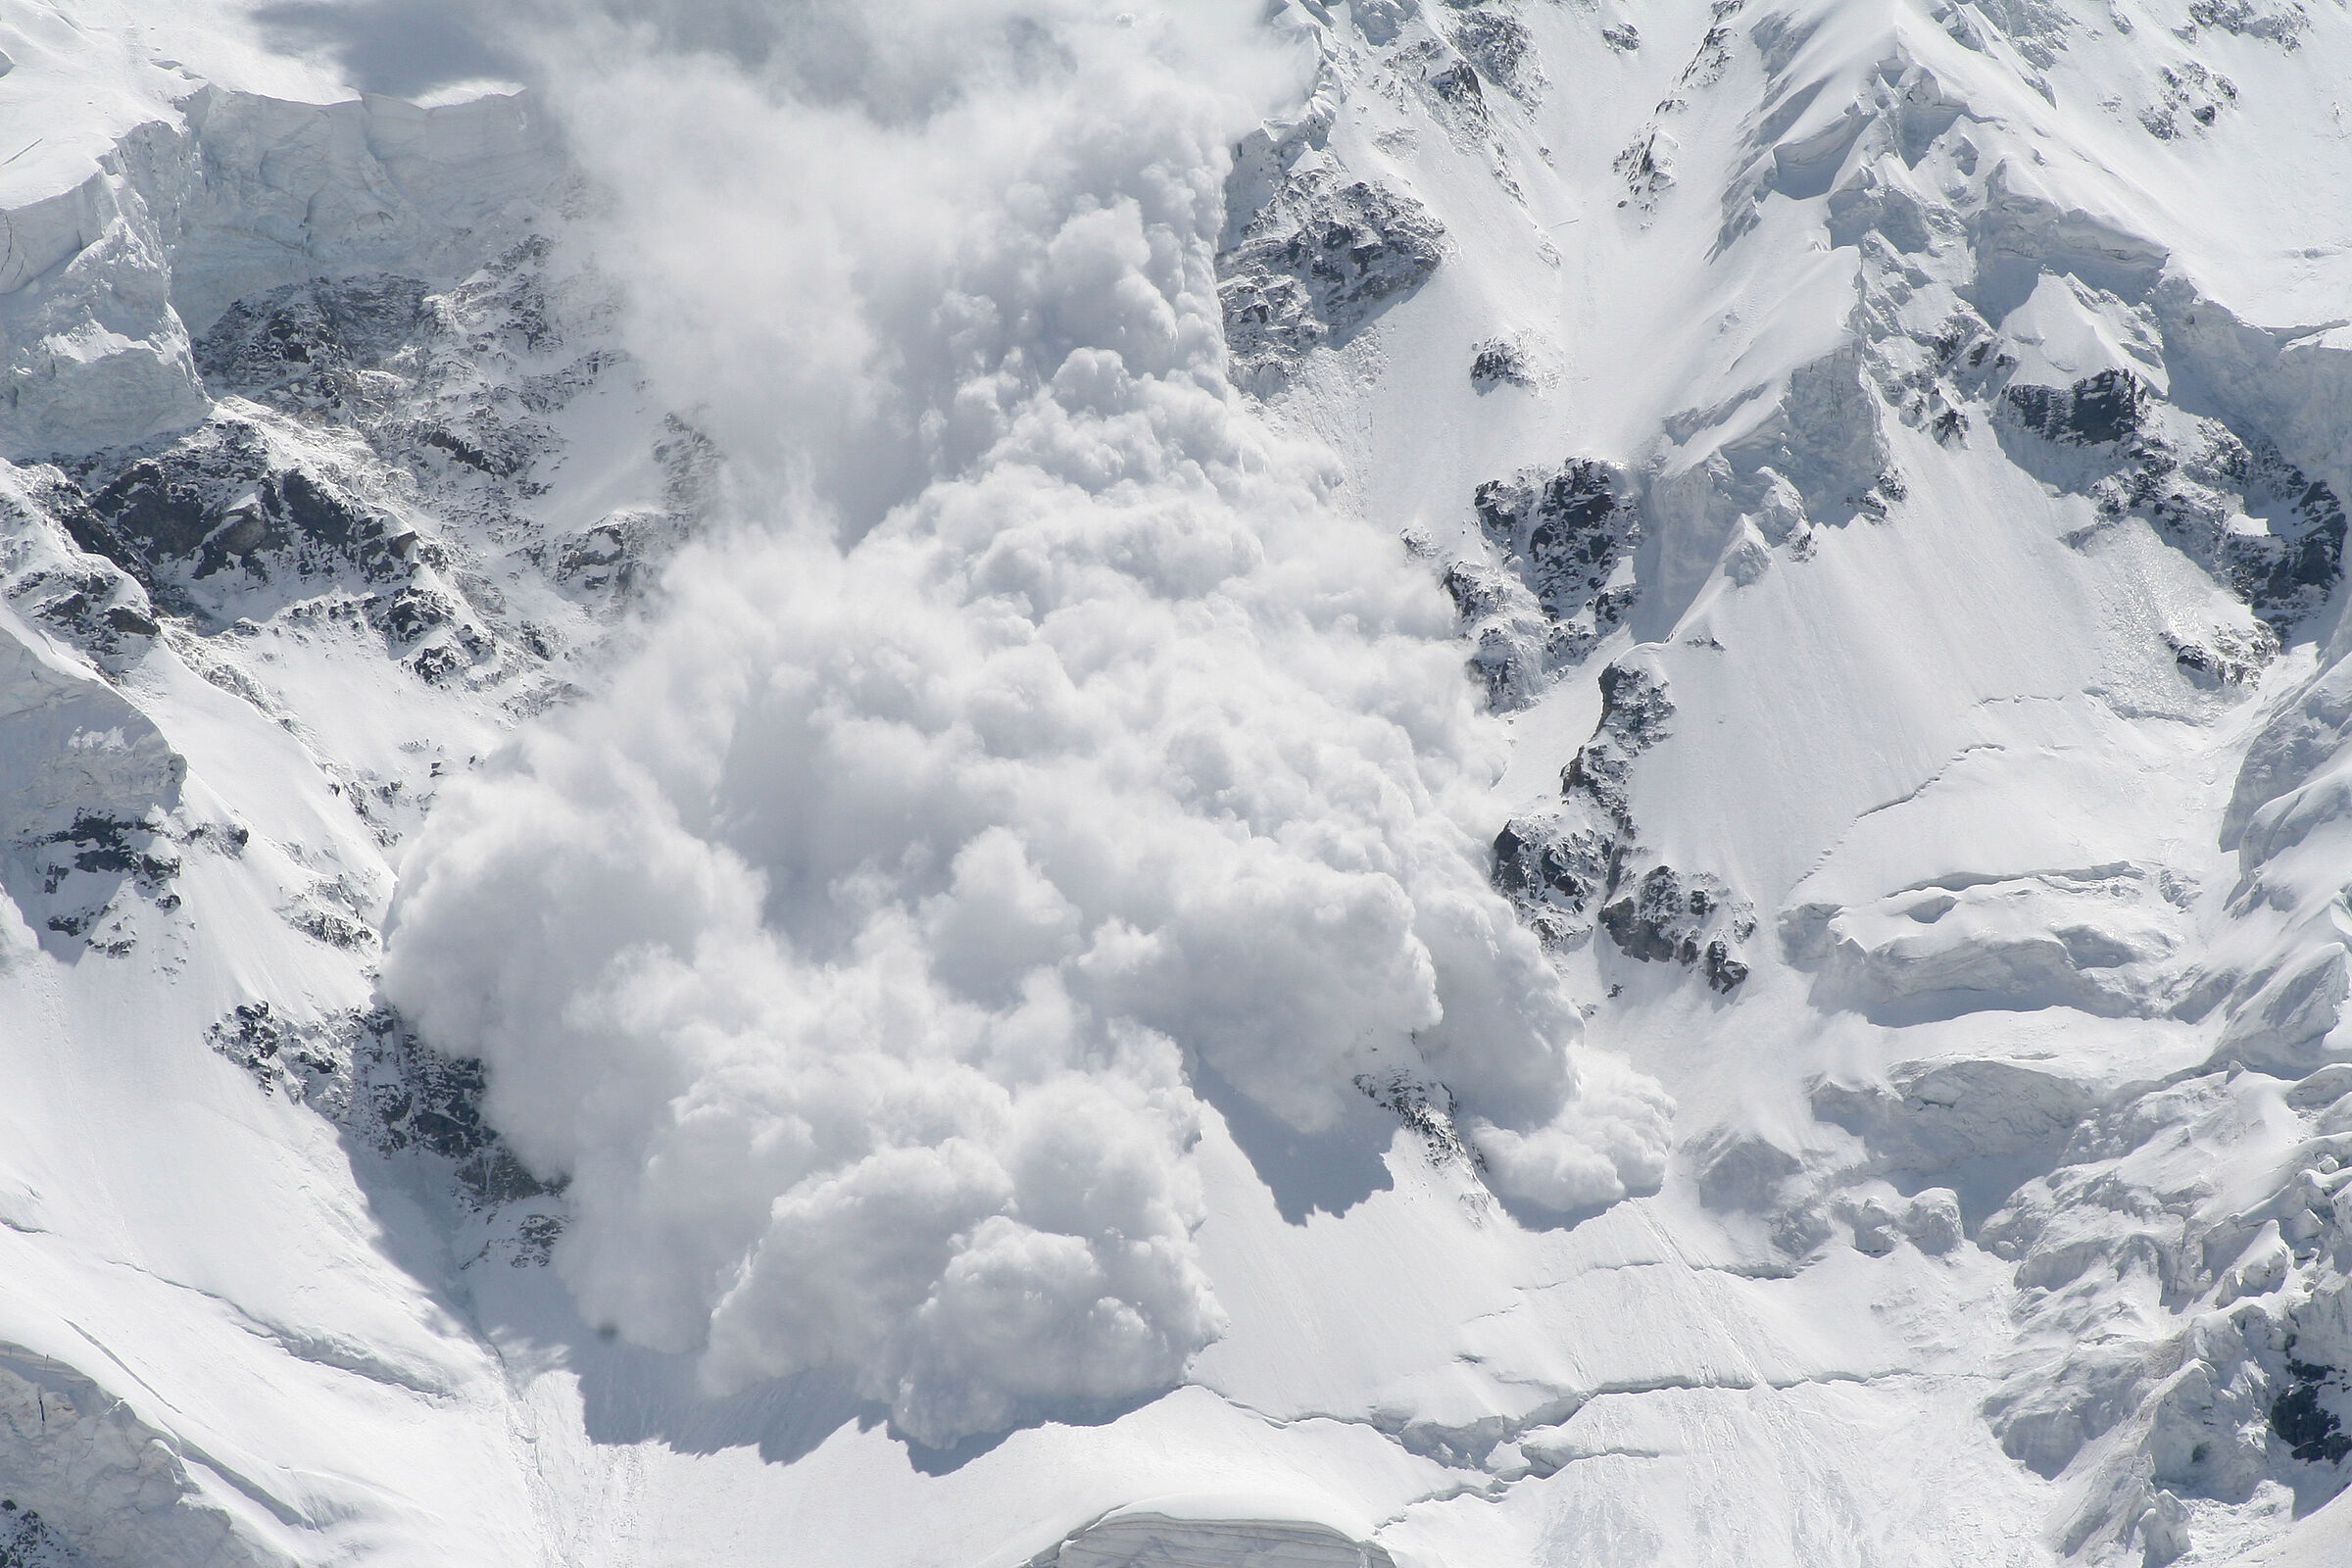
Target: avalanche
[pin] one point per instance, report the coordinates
(1380, 782)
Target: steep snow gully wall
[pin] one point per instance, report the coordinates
(1393, 782)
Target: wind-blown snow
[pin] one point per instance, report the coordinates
(1044, 742)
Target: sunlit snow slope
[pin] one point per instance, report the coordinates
(1380, 783)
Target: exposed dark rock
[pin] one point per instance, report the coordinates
(545, 394)
(1647, 169)
(438, 665)
(1581, 865)
(220, 528)
(2283, 26)
(335, 928)
(2096, 410)
(1557, 868)
(1498, 362)
(619, 556)
(2312, 1431)
(488, 444)
(27, 1540)
(81, 870)
(413, 613)
(1456, 84)
(310, 329)
(1669, 918)
(2197, 483)
(253, 520)
(2225, 656)
(1499, 46)
(2195, 500)
(1554, 873)
(509, 304)
(1647, 164)
(1562, 542)
(1566, 534)
(90, 603)
(2190, 92)
(1317, 265)
(1428, 1110)
(1514, 646)
(256, 1039)
(1634, 710)
(218, 503)
(1448, 86)
(386, 1090)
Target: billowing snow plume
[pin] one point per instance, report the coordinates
(1044, 740)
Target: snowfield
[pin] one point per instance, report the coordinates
(1355, 784)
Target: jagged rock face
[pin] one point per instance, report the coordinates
(1498, 362)
(1500, 48)
(1567, 535)
(370, 1075)
(378, 449)
(1560, 866)
(1581, 863)
(214, 503)
(1555, 580)
(1667, 917)
(2097, 411)
(2271, 533)
(1553, 875)
(87, 797)
(26, 1541)
(325, 330)
(1316, 264)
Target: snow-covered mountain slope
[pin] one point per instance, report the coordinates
(1392, 783)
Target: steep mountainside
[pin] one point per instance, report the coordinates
(1380, 782)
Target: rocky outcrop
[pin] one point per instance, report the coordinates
(1570, 537)
(1693, 920)
(1315, 266)
(1500, 48)
(26, 1541)
(2260, 524)
(1553, 870)
(1559, 867)
(390, 1093)
(1582, 865)
(87, 788)
(323, 331)
(1556, 577)
(103, 284)
(1498, 362)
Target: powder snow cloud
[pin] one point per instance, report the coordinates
(1041, 735)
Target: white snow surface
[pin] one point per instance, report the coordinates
(743, 818)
